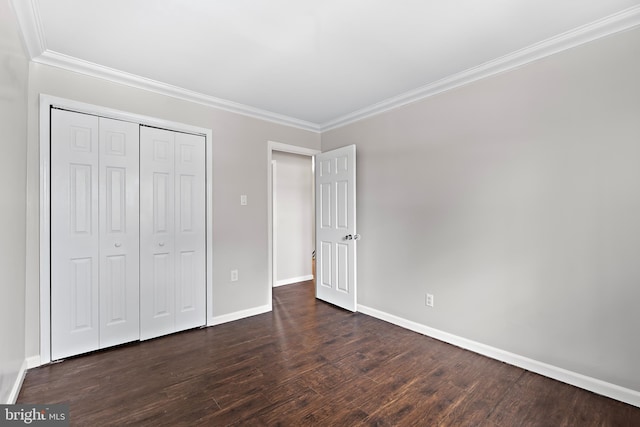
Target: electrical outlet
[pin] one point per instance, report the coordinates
(429, 300)
(234, 275)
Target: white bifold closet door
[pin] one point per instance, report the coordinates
(94, 233)
(172, 232)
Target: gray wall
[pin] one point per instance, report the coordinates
(239, 167)
(14, 73)
(294, 209)
(515, 200)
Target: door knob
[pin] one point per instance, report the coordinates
(356, 237)
(348, 237)
(161, 243)
(117, 244)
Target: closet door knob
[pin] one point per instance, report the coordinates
(117, 244)
(161, 243)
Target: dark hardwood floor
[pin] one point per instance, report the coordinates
(309, 363)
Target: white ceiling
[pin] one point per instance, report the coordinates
(314, 62)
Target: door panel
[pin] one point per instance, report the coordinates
(190, 231)
(115, 209)
(81, 295)
(342, 267)
(326, 278)
(342, 205)
(336, 227)
(81, 203)
(115, 287)
(157, 274)
(173, 274)
(326, 202)
(119, 232)
(162, 298)
(74, 234)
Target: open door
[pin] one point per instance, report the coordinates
(336, 272)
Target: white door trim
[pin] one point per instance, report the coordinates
(274, 219)
(48, 101)
(285, 148)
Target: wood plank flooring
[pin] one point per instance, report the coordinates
(309, 363)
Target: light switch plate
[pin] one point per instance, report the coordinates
(243, 200)
(429, 300)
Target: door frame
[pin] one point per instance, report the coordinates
(285, 148)
(46, 103)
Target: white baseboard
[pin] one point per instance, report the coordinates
(237, 315)
(603, 388)
(33, 361)
(293, 280)
(17, 385)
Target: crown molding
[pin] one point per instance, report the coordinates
(76, 65)
(30, 26)
(621, 21)
(33, 37)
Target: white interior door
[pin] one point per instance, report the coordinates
(94, 233)
(190, 231)
(157, 272)
(336, 267)
(75, 242)
(172, 232)
(119, 232)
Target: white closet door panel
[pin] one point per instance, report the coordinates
(119, 232)
(74, 234)
(157, 253)
(190, 291)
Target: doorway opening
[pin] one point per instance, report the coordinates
(281, 160)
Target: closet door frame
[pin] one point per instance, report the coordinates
(47, 102)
